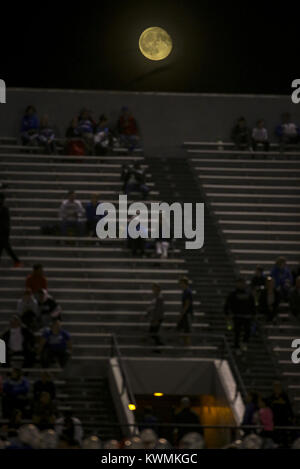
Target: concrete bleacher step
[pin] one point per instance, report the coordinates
(99, 285)
(255, 201)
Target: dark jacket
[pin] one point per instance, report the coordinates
(4, 222)
(265, 307)
(156, 309)
(130, 172)
(187, 417)
(240, 303)
(41, 386)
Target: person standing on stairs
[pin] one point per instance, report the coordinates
(5, 232)
(240, 306)
(184, 322)
(156, 313)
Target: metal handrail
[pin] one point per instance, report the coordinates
(295, 428)
(126, 382)
(235, 369)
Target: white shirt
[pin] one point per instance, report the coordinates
(16, 340)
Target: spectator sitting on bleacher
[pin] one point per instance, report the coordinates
(103, 138)
(128, 129)
(44, 411)
(48, 308)
(294, 299)
(288, 132)
(55, 345)
(186, 416)
(259, 279)
(27, 309)
(283, 278)
(240, 134)
(86, 126)
(44, 384)
(72, 214)
(281, 406)
(70, 427)
(250, 409)
(75, 144)
(15, 393)
(264, 417)
(136, 245)
(162, 243)
(46, 136)
(148, 419)
(260, 136)
(240, 305)
(36, 280)
(30, 127)
(91, 217)
(20, 342)
(15, 422)
(134, 179)
(269, 300)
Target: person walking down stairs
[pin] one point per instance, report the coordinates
(5, 232)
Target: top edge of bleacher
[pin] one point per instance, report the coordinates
(228, 148)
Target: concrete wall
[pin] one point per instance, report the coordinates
(165, 119)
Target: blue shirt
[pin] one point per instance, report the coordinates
(29, 123)
(187, 295)
(90, 211)
(57, 342)
(16, 388)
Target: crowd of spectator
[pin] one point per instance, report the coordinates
(85, 135)
(36, 335)
(287, 134)
(261, 299)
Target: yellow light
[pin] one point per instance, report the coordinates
(131, 407)
(158, 394)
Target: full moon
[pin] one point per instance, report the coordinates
(155, 43)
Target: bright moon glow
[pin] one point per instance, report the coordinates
(155, 43)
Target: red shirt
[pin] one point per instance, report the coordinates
(266, 419)
(127, 126)
(36, 283)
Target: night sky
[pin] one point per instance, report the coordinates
(224, 47)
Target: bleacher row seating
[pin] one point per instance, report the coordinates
(254, 198)
(102, 289)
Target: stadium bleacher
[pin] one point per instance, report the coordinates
(254, 198)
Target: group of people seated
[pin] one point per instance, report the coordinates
(287, 134)
(281, 285)
(84, 136)
(270, 412)
(35, 131)
(262, 299)
(78, 219)
(35, 333)
(36, 402)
